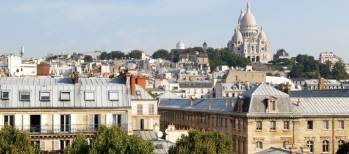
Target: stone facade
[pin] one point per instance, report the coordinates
(250, 40)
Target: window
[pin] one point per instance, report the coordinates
(96, 121)
(273, 105)
(113, 96)
(5, 95)
(44, 96)
(341, 124)
(117, 120)
(9, 120)
(325, 146)
(259, 125)
(340, 143)
(89, 96)
(24, 96)
(286, 125)
(139, 109)
(272, 125)
(65, 123)
(259, 145)
(310, 145)
(65, 96)
(326, 124)
(64, 144)
(151, 108)
(310, 124)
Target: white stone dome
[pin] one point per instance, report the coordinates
(262, 35)
(237, 35)
(180, 45)
(248, 19)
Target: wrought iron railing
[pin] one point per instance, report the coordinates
(56, 129)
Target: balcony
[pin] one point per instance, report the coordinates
(59, 129)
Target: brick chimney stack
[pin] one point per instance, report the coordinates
(136, 80)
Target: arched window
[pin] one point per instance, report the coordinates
(340, 143)
(259, 145)
(325, 146)
(310, 145)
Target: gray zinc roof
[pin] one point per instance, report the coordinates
(321, 105)
(264, 90)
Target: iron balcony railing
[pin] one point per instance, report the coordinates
(56, 129)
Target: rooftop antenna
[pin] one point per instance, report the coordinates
(21, 51)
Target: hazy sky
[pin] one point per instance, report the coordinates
(56, 26)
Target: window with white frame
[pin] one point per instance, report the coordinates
(113, 95)
(65, 96)
(89, 96)
(44, 96)
(286, 125)
(5, 95)
(24, 96)
(259, 125)
(259, 145)
(326, 124)
(310, 145)
(139, 109)
(340, 143)
(325, 146)
(341, 124)
(151, 108)
(272, 125)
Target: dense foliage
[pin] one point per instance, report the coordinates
(13, 141)
(88, 58)
(135, 54)
(112, 55)
(343, 149)
(111, 140)
(202, 142)
(304, 66)
(224, 56)
(161, 53)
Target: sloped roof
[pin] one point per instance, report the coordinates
(264, 90)
(321, 105)
(141, 94)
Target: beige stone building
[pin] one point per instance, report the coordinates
(266, 120)
(55, 110)
(235, 76)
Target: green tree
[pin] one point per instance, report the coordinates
(88, 58)
(161, 53)
(305, 67)
(202, 142)
(116, 54)
(113, 140)
(14, 141)
(78, 146)
(135, 54)
(343, 149)
(339, 71)
(104, 56)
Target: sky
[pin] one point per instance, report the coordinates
(62, 26)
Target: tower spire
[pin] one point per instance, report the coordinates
(247, 5)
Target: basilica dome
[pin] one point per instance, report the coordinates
(248, 19)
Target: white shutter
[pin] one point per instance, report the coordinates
(109, 120)
(42, 145)
(43, 123)
(138, 124)
(26, 122)
(91, 121)
(56, 122)
(151, 124)
(56, 145)
(73, 123)
(124, 121)
(18, 121)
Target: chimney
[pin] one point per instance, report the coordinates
(133, 85)
(75, 77)
(321, 84)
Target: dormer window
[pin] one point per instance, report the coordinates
(271, 104)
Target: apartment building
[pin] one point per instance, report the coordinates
(266, 120)
(55, 110)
